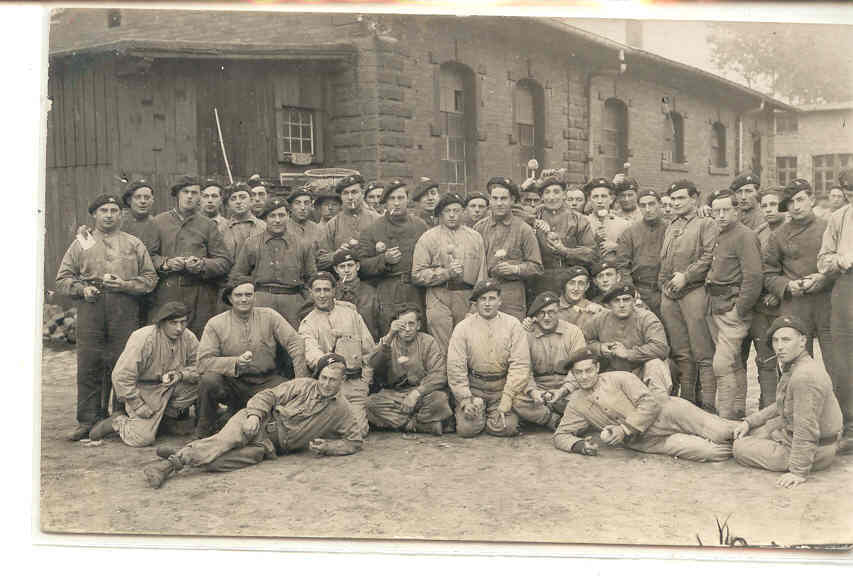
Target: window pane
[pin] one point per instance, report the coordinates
(296, 131)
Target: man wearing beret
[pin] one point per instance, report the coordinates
(409, 365)
(373, 196)
(531, 198)
(605, 224)
(733, 285)
(746, 188)
(799, 433)
(575, 198)
(327, 205)
(565, 237)
(336, 326)
(106, 271)
(836, 260)
(476, 206)
(343, 231)
(279, 262)
(139, 199)
(155, 377)
(628, 412)
(688, 246)
(551, 341)
(638, 250)
(243, 221)
(791, 271)
(193, 256)
(511, 248)
(294, 415)
(425, 196)
(385, 251)
(351, 289)
(211, 202)
(488, 365)
(259, 193)
(301, 206)
(626, 190)
(575, 308)
(237, 353)
(448, 260)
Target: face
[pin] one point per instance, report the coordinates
(277, 221)
(622, 306)
(682, 202)
(724, 212)
(788, 344)
(188, 198)
(141, 201)
(547, 318)
(211, 199)
(410, 326)
(627, 200)
(601, 198)
(576, 200)
(397, 202)
(747, 197)
(372, 197)
(651, 208)
(770, 208)
(429, 199)
(323, 294)
(836, 198)
(352, 197)
(259, 199)
(451, 216)
(107, 217)
(301, 207)
(239, 203)
(530, 199)
(243, 298)
(553, 197)
(666, 207)
(575, 289)
(606, 280)
(173, 329)
(329, 208)
(801, 205)
(348, 270)
(500, 201)
(586, 373)
(330, 379)
(477, 209)
(488, 304)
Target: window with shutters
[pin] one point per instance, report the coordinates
(786, 169)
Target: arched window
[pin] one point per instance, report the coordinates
(529, 118)
(677, 137)
(456, 106)
(614, 137)
(718, 145)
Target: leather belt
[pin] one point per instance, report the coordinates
(722, 289)
(489, 377)
(458, 286)
(280, 289)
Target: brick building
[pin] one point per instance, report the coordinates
(457, 99)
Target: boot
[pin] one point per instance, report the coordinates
(103, 428)
(553, 422)
(449, 425)
(158, 472)
(708, 384)
(433, 427)
(80, 432)
(687, 377)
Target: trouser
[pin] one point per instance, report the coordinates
(513, 299)
(728, 331)
(199, 296)
(235, 392)
(136, 431)
(285, 304)
(691, 343)
(684, 430)
(392, 293)
(765, 361)
(487, 416)
(383, 409)
(444, 310)
(760, 450)
(842, 342)
(545, 414)
(355, 391)
(816, 311)
(103, 327)
(652, 298)
(654, 373)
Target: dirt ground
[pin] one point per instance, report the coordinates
(440, 488)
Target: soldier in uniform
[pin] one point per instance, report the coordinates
(139, 198)
(626, 199)
(243, 220)
(605, 224)
(373, 196)
(258, 190)
(351, 289)
(301, 205)
(327, 205)
(575, 308)
(425, 196)
(211, 202)
(476, 207)
(746, 188)
(575, 198)
(343, 231)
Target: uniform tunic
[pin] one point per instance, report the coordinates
(363, 296)
(346, 226)
(145, 230)
(576, 235)
(753, 218)
(580, 313)
(238, 230)
(608, 228)
(688, 247)
(638, 259)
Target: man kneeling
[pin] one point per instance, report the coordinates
(798, 433)
(628, 412)
(296, 414)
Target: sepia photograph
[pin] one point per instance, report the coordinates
(387, 276)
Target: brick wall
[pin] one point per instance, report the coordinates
(818, 133)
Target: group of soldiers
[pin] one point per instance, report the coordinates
(287, 319)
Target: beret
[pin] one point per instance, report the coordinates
(232, 188)
(184, 181)
(786, 322)
(597, 183)
(722, 193)
(682, 184)
(373, 185)
(101, 201)
(530, 186)
(391, 187)
(777, 191)
(448, 199)
(405, 308)
(422, 186)
(598, 267)
(845, 180)
(619, 290)
(170, 311)
(322, 275)
(551, 181)
(256, 180)
(328, 359)
(276, 202)
(209, 181)
(648, 192)
(627, 184)
(542, 300)
(341, 256)
(505, 183)
(795, 186)
(479, 195)
(349, 181)
(294, 194)
(232, 284)
(133, 187)
(582, 354)
(483, 286)
(326, 193)
(744, 179)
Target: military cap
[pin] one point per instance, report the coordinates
(778, 191)
(391, 187)
(627, 184)
(597, 183)
(133, 187)
(348, 181)
(341, 256)
(184, 181)
(275, 202)
(101, 201)
(582, 354)
(600, 266)
(683, 184)
(324, 275)
(483, 286)
(326, 193)
(255, 180)
(328, 359)
(232, 188)
(845, 180)
(422, 186)
(795, 186)
(619, 290)
(232, 284)
(505, 183)
(722, 193)
(473, 195)
(648, 192)
(448, 199)
(744, 179)
(542, 300)
(373, 185)
(409, 307)
(530, 186)
(786, 322)
(170, 311)
(209, 181)
(294, 194)
(551, 181)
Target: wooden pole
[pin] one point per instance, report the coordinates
(222, 145)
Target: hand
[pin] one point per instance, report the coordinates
(410, 402)
(171, 377)
(90, 293)
(175, 264)
(251, 425)
(813, 283)
(527, 324)
(771, 301)
(393, 256)
(470, 408)
(703, 211)
(541, 225)
(795, 288)
(244, 361)
(678, 281)
(505, 405)
(324, 259)
(539, 396)
(113, 282)
(84, 231)
(618, 350)
(619, 178)
(194, 265)
(741, 430)
(612, 435)
(318, 446)
(790, 480)
(585, 447)
(504, 269)
(456, 269)
(395, 328)
(144, 411)
(844, 262)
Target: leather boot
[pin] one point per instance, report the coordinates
(433, 428)
(158, 472)
(708, 385)
(687, 376)
(80, 432)
(103, 428)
